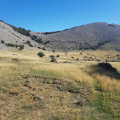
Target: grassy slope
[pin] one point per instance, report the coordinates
(32, 88)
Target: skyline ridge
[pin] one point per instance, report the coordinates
(58, 30)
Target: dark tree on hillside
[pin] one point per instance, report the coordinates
(41, 54)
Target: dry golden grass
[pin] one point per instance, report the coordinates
(69, 70)
(57, 103)
(109, 84)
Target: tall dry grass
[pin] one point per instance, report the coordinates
(30, 64)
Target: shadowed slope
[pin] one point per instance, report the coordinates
(105, 69)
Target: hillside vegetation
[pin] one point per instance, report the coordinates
(74, 88)
(21, 30)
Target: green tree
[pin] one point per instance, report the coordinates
(21, 47)
(41, 54)
(2, 41)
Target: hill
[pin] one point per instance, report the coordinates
(90, 36)
(11, 36)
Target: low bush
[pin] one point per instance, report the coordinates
(53, 51)
(53, 59)
(10, 44)
(29, 43)
(41, 54)
(21, 47)
(39, 40)
(2, 41)
(44, 48)
(33, 37)
(57, 55)
(46, 42)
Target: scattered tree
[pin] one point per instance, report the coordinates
(57, 55)
(2, 41)
(33, 37)
(53, 59)
(77, 59)
(21, 47)
(41, 54)
(44, 48)
(39, 40)
(46, 42)
(53, 51)
(29, 43)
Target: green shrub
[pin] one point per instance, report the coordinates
(51, 56)
(2, 41)
(46, 42)
(10, 44)
(29, 43)
(53, 51)
(77, 59)
(21, 47)
(39, 40)
(27, 107)
(57, 55)
(53, 59)
(21, 31)
(33, 37)
(44, 48)
(39, 47)
(41, 54)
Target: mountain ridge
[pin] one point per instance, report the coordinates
(82, 37)
(89, 36)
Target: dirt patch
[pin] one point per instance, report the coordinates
(51, 97)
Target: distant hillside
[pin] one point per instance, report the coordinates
(90, 36)
(11, 36)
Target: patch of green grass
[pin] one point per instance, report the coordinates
(23, 91)
(49, 74)
(88, 116)
(27, 107)
(105, 105)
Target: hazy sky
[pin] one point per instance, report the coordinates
(53, 15)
